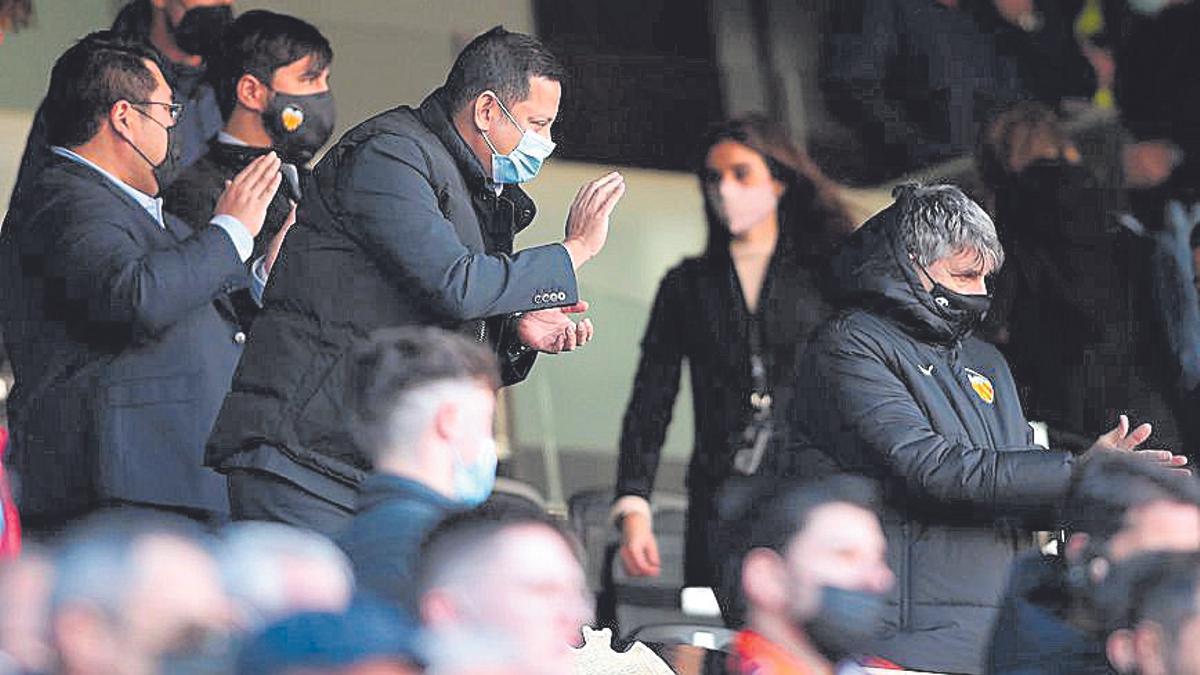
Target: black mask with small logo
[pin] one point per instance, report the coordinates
(964, 312)
(299, 124)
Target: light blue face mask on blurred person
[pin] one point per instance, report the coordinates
(473, 482)
(524, 162)
(1148, 7)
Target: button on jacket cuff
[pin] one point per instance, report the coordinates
(237, 233)
(559, 295)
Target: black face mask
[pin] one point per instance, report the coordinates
(963, 312)
(846, 622)
(299, 124)
(166, 170)
(200, 30)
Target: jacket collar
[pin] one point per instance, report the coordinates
(872, 271)
(231, 154)
(381, 488)
(93, 174)
(436, 116)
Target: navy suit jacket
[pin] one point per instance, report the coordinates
(122, 343)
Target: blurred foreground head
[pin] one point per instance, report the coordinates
(502, 590)
(1151, 607)
(135, 595)
(272, 571)
(815, 576)
(1118, 507)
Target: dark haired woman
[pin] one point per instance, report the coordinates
(737, 314)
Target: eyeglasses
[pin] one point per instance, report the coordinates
(175, 109)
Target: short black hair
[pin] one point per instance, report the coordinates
(462, 540)
(775, 511)
(392, 362)
(1108, 486)
(89, 78)
(502, 62)
(258, 43)
(782, 513)
(1161, 587)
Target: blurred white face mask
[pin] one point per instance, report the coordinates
(742, 207)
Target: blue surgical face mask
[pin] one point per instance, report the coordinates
(522, 164)
(473, 482)
(1148, 7)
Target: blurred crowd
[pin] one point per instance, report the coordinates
(256, 366)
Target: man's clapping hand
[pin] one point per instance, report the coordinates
(552, 330)
(247, 196)
(1122, 439)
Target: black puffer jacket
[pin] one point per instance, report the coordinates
(398, 227)
(887, 391)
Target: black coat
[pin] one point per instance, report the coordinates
(919, 80)
(1158, 91)
(122, 343)
(194, 194)
(886, 391)
(1032, 635)
(1072, 272)
(700, 315)
(398, 226)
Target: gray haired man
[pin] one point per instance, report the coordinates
(896, 388)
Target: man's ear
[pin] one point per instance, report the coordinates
(251, 93)
(485, 109)
(446, 421)
(763, 579)
(120, 117)
(437, 608)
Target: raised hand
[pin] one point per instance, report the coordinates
(247, 196)
(587, 221)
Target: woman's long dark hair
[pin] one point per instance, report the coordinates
(811, 215)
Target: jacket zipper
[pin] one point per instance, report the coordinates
(906, 575)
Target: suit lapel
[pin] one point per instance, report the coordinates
(145, 221)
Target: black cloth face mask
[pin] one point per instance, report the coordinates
(168, 169)
(199, 31)
(846, 622)
(964, 312)
(299, 124)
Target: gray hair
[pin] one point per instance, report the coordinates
(938, 221)
(255, 556)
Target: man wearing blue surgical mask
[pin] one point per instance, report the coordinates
(408, 220)
(421, 403)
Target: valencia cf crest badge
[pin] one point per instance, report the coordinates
(292, 118)
(982, 386)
